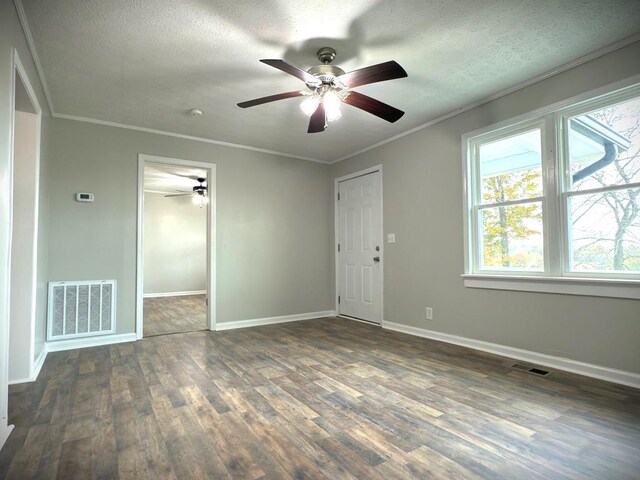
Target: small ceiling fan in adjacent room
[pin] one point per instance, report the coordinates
(198, 193)
(329, 86)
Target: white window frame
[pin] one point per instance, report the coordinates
(557, 276)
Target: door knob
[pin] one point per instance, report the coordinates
(376, 259)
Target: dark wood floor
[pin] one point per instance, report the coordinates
(316, 399)
(162, 315)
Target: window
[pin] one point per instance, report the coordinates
(603, 189)
(555, 197)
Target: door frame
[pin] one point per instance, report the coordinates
(336, 229)
(17, 69)
(210, 168)
(21, 72)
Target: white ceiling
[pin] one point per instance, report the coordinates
(170, 179)
(146, 63)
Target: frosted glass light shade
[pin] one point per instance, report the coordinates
(309, 104)
(332, 106)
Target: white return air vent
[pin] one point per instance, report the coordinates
(81, 309)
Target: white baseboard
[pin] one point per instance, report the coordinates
(271, 320)
(84, 342)
(561, 363)
(5, 430)
(37, 366)
(174, 294)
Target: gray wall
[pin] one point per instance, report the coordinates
(273, 217)
(175, 245)
(423, 192)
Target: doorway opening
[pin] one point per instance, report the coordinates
(359, 247)
(176, 251)
(26, 336)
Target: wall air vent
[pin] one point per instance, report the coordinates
(81, 309)
(530, 369)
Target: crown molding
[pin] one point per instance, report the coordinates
(502, 93)
(184, 137)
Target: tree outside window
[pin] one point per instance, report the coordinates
(604, 159)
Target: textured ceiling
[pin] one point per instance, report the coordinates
(146, 63)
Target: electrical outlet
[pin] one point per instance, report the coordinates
(429, 313)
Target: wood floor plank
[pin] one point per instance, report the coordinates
(325, 399)
(174, 314)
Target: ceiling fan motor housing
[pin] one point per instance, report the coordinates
(200, 189)
(326, 55)
(325, 73)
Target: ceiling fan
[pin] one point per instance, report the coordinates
(200, 189)
(329, 86)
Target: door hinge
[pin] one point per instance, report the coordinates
(338, 298)
(338, 195)
(338, 247)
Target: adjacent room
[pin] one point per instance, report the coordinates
(285, 240)
(174, 249)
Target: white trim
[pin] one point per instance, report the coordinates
(174, 294)
(622, 377)
(502, 93)
(6, 293)
(185, 137)
(39, 362)
(336, 232)
(139, 250)
(5, 431)
(557, 276)
(22, 16)
(210, 168)
(34, 366)
(26, 82)
(73, 343)
(593, 287)
(256, 322)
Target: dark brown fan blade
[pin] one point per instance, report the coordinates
(192, 177)
(373, 106)
(318, 121)
(373, 74)
(292, 70)
(270, 98)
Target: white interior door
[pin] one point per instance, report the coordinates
(360, 247)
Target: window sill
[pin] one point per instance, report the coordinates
(593, 287)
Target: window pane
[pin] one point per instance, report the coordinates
(512, 237)
(605, 231)
(604, 146)
(510, 168)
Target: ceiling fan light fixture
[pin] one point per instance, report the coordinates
(330, 86)
(332, 104)
(200, 199)
(309, 104)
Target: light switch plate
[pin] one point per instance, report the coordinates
(391, 238)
